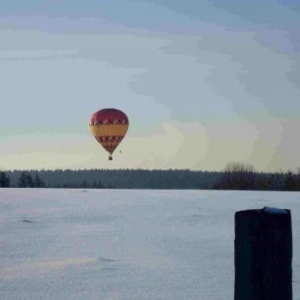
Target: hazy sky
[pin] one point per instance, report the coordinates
(204, 83)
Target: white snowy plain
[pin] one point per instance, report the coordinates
(63, 244)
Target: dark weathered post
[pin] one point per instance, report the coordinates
(263, 254)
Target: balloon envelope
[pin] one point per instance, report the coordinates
(109, 127)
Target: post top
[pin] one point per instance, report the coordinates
(275, 210)
(266, 210)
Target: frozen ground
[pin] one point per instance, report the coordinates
(126, 244)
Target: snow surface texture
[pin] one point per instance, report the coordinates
(61, 244)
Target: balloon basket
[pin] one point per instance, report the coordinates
(110, 158)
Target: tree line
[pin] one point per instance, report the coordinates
(235, 176)
(26, 179)
(111, 179)
(239, 176)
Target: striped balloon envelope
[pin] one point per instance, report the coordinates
(109, 126)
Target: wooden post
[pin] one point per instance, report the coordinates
(263, 254)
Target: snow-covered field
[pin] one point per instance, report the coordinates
(126, 244)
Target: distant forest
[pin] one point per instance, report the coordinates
(236, 176)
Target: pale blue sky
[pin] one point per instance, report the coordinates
(203, 83)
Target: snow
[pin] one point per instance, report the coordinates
(275, 211)
(62, 244)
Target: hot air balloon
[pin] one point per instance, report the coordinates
(109, 127)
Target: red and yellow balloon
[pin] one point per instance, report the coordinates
(109, 126)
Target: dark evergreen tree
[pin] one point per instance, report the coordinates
(97, 185)
(38, 182)
(261, 182)
(276, 181)
(84, 184)
(22, 180)
(25, 180)
(4, 179)
(289, 182)
(297, 180)
(30, 182)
